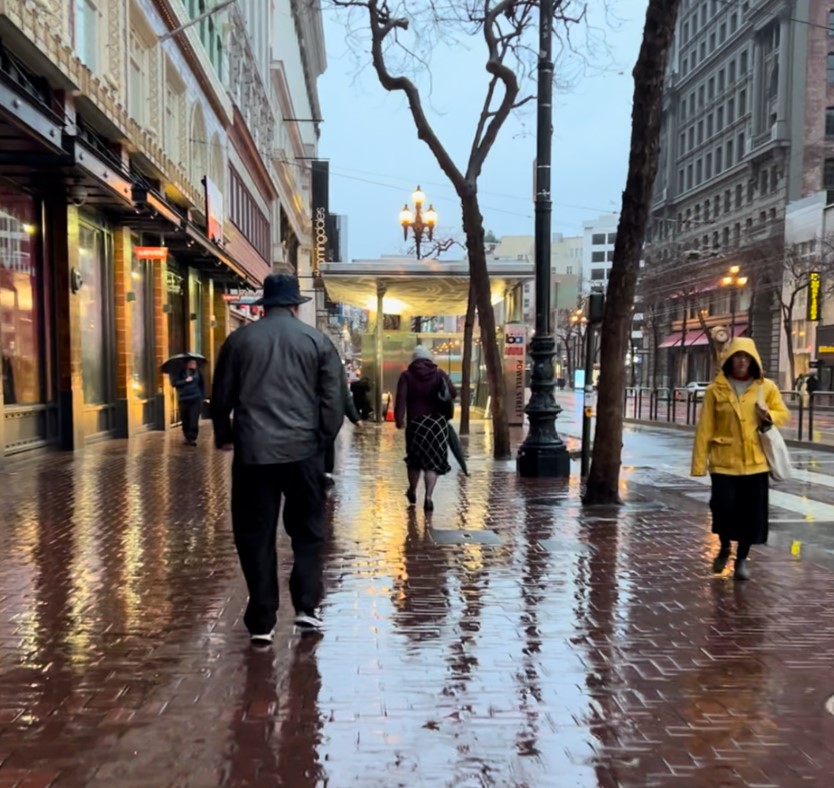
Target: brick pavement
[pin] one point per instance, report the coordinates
(547, 647)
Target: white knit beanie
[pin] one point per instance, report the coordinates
(421, 351)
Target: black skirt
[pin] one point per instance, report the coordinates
(739, 506)
(427, 444)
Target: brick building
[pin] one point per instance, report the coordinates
(130, 127)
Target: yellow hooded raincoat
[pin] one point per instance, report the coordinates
(727, 438)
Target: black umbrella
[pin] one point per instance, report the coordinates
(176, 363)
(456, 447)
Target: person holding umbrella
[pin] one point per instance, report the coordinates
(190, 384)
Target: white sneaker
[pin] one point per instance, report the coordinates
(309, 620)
(262, 640)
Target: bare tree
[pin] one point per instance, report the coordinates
(399, 33)
(649, 76)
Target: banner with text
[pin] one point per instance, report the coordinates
(321, 208)
(515, 365)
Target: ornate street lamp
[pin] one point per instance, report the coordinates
(735, 281)
(420, 222)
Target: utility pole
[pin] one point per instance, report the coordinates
(543, 453)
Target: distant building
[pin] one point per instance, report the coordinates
(599, 237)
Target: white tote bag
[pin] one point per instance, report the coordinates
(773, 445)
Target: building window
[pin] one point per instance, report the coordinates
(94, 298)
(20, 301)
(709, 125)
(689, 177)
(831, 24)
(683, 144)
(730, 159)
(719, 120)
(248, 217)
(722, 33)
(719, 160)
(732, 73)
(716, 205)
(597, 274)
(597, 257)
(700, 132)
(598, 239)
(86, 33)
(742, 102)
(706, 211)
(829, 72)
(733, 23)
(699, 172)
(742, 63)
(137, 78)
(774, 179)
(829, 123)
(727, 201)
(740, 149)
(739, 196)
(763, 183)
(708, 166)
(610, 256)
(731, 110)
(612, 238)
(721, 81)
(680, 181)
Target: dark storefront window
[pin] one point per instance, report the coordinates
(21, 314)
(177, 334)
(197, 311)
(142, 327)
(95, 297)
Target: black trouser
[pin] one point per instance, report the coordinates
(330, 457)
(257, 491)
(190, 412)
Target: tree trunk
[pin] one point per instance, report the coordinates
(649, 75)
(683, 367)
(466, 374)
(655, 343)
(473, 227)
(787, 321)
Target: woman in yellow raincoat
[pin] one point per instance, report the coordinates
(727, 443)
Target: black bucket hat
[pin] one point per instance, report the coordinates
(281, 290)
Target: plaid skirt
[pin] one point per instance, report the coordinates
(427, 444)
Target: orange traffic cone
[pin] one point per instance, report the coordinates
(389, 411)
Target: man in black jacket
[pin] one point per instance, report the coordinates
(282, 380)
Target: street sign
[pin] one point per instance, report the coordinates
(814, 297)
(515, 364)
(150, 252)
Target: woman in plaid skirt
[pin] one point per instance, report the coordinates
(418, 405)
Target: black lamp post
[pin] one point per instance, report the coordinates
(736, 282)
(543, 453)
(418, 221)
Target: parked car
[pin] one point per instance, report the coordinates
(696, 388)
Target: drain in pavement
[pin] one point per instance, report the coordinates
(489, 538)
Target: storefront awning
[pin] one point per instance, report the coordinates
(693, 338)
(412, 287)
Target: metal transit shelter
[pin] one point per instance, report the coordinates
(401, 289)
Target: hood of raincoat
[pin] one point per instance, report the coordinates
(742, 345)
(423, 369)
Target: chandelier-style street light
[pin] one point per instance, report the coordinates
(418, 221)
(735, 281)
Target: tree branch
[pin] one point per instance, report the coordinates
(381, 25)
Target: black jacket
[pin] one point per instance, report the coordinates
(189, 391)
(283, 381)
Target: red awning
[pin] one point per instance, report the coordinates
(740, 329)
(673, 340)
(693, 337)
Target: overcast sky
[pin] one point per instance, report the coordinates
(376, 160)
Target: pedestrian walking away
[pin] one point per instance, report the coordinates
(361, 391)
(191, 393)
(421, 390)
(282, 381)
(330, 451)
(727, 443)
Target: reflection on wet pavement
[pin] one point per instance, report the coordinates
(550, 647)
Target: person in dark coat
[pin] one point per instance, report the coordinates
(330, 451)
(191, 392)
(361, 391)
(282, 379)
(426, 435)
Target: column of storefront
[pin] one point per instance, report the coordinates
(161, 384)
(128, 417)
(63, 242)
(221, 327)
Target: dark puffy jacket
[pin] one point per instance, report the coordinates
(283, 380)
(189, 390)
(418, 389)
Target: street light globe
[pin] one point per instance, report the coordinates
(431, 216)
(741, 281)
(734, 269)
(406, 217)
(418, 197)
(727, 281)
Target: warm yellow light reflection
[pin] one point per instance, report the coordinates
(391, 306)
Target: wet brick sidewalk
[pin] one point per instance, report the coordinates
(514, 641)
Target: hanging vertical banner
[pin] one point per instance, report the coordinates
(515, 365)
(214, 211)
(321, 208)
(814, 297)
